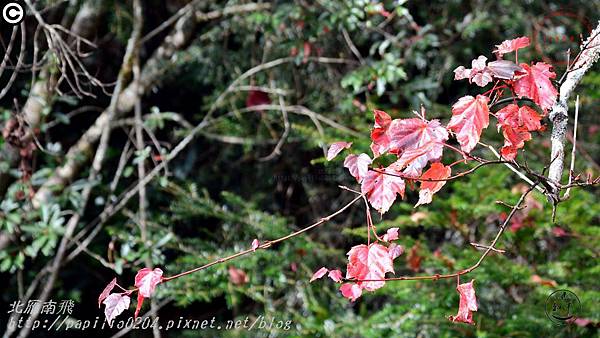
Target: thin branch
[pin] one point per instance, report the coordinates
(267, 244)
(573, 151)
(489, 249)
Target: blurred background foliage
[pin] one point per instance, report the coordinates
(225, 190)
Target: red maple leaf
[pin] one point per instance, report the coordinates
(437, 171)
(381, 188)
(379, 136)
(467, 304)
(516, 123)
(146, 281)
(513, 45)
(470, 116)
(416, 141)
(536, 85)
(369, 263)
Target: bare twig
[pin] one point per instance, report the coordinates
(573, 151)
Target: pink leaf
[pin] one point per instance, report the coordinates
(391, 235)
(504, 69)
(255, 244)
(336, 275)
(358, 165)
(369, 263)
(461, 73)
(381, 189)
(106, 291)
(511, 45)
(469, 117)
(146, 280)
(351, 291)
(416, 141)
(115, 304)
(437, 171)
(536, 85)
(466, 305)
(479, 73)
(395, 251)
(482, 78)
(318, 274)
(336, 148)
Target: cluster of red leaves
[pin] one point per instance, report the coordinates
(146, 281)
(417, 143)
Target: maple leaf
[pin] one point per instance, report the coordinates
(369, 263)
(536, 85)
(504, 69)
(466, 305)
(335, 275)
(358, 165)
(381, 188)
(146, 280)
(395, 250)
(351, 291)
(379, 134)
(391, 234)
(513, 45)
(336, 148)
(470, 116)
(318, 274)
(416, 141)
(516, 123)
(478, 73)
(106, 291)
(115, 304)
(437, 171)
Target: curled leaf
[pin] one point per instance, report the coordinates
(513, 45)
(467, 304)
(107, 291)
(318, 274)
(335, 275)
(351, 291)
(336, 148)
(437, 172)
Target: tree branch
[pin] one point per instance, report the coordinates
(590, 52)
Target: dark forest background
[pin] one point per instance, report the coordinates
(330, 63)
